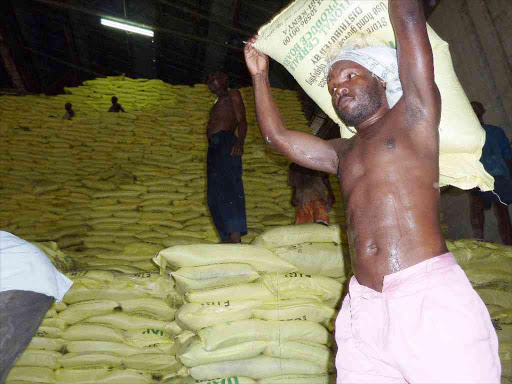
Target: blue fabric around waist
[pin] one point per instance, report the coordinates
(226, 198)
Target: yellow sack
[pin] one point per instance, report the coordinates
(82, 310)
(118, 349)
(156, 308)
(259, 367)
(298, 350)
(300, 379)
(297, 309)
(297, 234)
(192, 354)
(39, 358)
(46, 344)
(92, 332)
(325, 259)
(295, 285)
(213, 276)
(31, 375)
(194, 316)
(236, 332)
(242, 292)
(96, 360)
(223, 380)
(154, 362)
(301, 36)
(102, 376)
(206, 254)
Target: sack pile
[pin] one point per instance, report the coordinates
(111, 327)
(489, 268)
(255, 316)
(123, 186)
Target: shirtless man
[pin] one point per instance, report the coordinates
(226, 198)
(411, 314)
(116, 107)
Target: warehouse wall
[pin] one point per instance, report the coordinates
(478, 33)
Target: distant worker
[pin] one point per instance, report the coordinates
(226, 198)
(116, 107)
(497, 161)
(28, 285)
(70, 113)
(308, 194)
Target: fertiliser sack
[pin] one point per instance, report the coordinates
(102, 376)
(119, 349)
(224, 380)
(307, 32)
(195, 316)
(259, 367)
(242, 292)
(84, 360)
(325, 259)
(148, 307)
(297, 234)
(31, 375)
(295, 285)
(236, 332)
(300, 379)
(207, 254)
(297, 309)
(46, 344)
(82, 310)
(315, 353)
(153, 362)
(193, 354)
(39, 358)
(212, 276)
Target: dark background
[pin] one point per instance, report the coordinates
(47, 45)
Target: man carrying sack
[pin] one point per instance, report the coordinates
(411, 314)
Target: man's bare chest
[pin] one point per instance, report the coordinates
(373, 154)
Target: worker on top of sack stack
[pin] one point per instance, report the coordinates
(411, 314)
(308, 195)
(116, 107)
(28, 285)
(226, 198)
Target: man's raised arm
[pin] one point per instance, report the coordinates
(301, 148)
(415, 59)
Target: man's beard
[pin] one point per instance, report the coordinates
(368, 103)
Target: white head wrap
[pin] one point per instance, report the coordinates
(381, 61)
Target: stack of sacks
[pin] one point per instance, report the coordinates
(110, 328)
(108, 186)
(489, 268)
(58, 258)
(252, 315)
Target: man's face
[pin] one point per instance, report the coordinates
(356, 94)
(217, 82)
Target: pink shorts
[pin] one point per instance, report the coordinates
(427, 326)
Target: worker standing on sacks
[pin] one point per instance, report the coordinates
(411, 314)
(226, 197)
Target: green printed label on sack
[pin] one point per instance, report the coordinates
(225, 380)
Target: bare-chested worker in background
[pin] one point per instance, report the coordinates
(226, 198)
(411, 314)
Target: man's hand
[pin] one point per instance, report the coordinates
(238, 149)
(257, 61)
